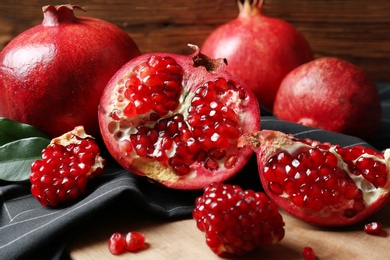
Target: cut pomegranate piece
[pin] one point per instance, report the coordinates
(67, 164)
(176, 119)
(236, 221)
(320, 183)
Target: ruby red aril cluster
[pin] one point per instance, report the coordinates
(312, 177)
(132, 242)
(155, 86)
(370, 168)
(63, 171)
(236, 221)
(202, 135)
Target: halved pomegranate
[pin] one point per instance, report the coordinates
(320, 183)
(176, 119)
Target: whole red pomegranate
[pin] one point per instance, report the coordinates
(260, 50)
(331, 94)
(52, 75)
(320, 183)
(176, 119)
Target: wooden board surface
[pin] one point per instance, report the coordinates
(182, 240)
(355, 30)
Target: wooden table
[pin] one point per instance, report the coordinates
(355, 30)
(180, 239)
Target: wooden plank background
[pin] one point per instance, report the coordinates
(355, 30)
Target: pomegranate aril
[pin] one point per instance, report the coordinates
(211, 164)
(308, 253)
(117, 244)
(134, 241)
(179, 166)
(375, 228)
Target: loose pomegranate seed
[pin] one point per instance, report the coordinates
(117, 244)
(134, 241)
(308, 253)
(375, 228)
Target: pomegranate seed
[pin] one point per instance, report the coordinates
(308, 253)
(117, 244)
(375, 228)
(211, 164)
(134, 241)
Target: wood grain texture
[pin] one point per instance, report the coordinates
(355, 30)
(182, 240)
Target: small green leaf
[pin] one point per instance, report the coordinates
(11, 130)
(16, 157)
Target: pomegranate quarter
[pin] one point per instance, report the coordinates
(320, 183)
(176, 119)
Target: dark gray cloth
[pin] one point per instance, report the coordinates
(28, 230)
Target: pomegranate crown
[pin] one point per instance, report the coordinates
(54, 15)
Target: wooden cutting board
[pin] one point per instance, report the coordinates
(181, 239)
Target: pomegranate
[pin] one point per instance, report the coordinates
(52, 75)
(331, 94)
(260, 50)
(176, 119)
(320, 183)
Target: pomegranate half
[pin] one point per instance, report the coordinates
(176, 119)
(52, 75)
(320, 183)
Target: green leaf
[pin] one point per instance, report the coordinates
(11, 130)
(20, 145)
(16, 157)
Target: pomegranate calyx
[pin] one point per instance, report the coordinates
(201, 60)
(54, 15)
(249, 8)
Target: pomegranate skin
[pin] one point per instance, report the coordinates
(260, 50)
(52, 75)
(331, 94)
(123, 135)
